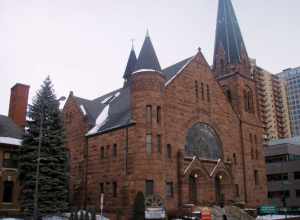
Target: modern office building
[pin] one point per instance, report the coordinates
(292, 77)
(283, 172)
(272, 103)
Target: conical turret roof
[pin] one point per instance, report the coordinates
(228, 34)
(130, 67)
(147, 58)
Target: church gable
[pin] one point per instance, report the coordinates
(194, 83)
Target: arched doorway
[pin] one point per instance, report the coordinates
(223, 188)
(218, 189)
(193, 189)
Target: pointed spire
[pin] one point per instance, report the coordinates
(147, 58)
(130, 64)
(228, 35)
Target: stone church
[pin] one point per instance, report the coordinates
(189, 133)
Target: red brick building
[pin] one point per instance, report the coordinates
(188, 133)
(11, 132)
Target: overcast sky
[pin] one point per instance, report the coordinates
(84, 44)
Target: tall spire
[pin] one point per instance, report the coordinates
(147, 58)
(229, 40)
(130, 67)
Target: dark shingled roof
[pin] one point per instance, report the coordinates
(130, 67)
(8, 128)
(147, 57)
(119, 113)
(170, 71)
(228, 33)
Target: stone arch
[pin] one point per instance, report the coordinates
(203, 141)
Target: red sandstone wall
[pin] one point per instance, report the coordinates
(76, 127)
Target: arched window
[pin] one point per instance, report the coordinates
(203, 141)
(248, 100)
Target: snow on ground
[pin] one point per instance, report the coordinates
(100, 121)
(270, 217)
(10, 141)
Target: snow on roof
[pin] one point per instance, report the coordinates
(106, 99)
(100, 121)
(179, 71)
(110, 98)
(144, 70)
(83, 110)
(10, 141)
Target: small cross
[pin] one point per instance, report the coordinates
(132, 42)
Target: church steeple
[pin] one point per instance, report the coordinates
(147, 58)
(130, 67)
(229, 44)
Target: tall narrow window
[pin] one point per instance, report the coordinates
(228, 94)
(115, 189)
(222, 65)
(169, 190)
(234, 159)
(158, 114)
(248, 100)
(196, 90)
(149, 187)
(169, 151)
(256, 151)
(114, 151)
(159, 143)
(101, 187)
(208, 93)
(237, 190)
(202, 90)
(107, 151)
(8, 190)
(102, 152)
(149, 114)
(256, 177)
(149, 144)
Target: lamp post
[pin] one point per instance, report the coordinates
(36, 189)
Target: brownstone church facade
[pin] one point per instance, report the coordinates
(189, 133)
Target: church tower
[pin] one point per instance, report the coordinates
(130, 67)
(231, 67)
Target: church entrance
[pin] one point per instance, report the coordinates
(193, 188)
(218, 190)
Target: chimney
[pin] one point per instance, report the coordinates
(18, 104)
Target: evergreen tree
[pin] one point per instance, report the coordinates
(139, 206)
(53, 175)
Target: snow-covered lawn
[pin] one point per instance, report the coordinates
(270, 217)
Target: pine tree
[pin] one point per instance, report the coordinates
(53, 175)
(139, 206)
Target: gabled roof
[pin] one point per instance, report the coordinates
(147, 58)
(228, 34)
(130, 67)
(10, 133)
(118, 115)
(171, 71)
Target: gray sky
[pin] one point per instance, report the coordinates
(84, 44)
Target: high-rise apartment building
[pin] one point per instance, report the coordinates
(272, 103)
(292, 78)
